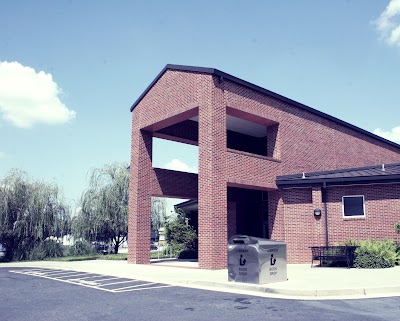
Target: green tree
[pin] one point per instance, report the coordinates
(104, 206)
(30, 213)
(181, 236)
(158, 212)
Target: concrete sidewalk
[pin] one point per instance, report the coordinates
(303, 282)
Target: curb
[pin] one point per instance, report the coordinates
(252, 289)
(306, 293)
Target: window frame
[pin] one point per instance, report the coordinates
(353, 216)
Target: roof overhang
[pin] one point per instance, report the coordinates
(356, 176)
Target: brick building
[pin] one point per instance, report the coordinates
(252, 142)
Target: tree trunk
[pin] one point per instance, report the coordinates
(116, 245)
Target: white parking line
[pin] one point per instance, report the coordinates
(90, 277)
(120, 282)
(113, 278)
(59, 272)
(33, 270)
(134, 286)
(36, 273)
(81, 277)
(94, 284)
(70, 275)
(87, 282)
(141, 289)
(66, 281)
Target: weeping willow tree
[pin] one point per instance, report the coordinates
(158, 212)
(104, 206)
(30, 212)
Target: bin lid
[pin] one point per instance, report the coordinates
(246, 239)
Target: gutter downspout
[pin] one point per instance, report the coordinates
(324, 200)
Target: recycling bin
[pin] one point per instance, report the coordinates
(256, 260)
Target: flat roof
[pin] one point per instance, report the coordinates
(377, 174)
(187, 205)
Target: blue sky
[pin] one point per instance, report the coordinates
(70, 70)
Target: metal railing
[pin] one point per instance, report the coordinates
(162, 252)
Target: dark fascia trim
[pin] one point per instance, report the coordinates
(216, 72)
(343, 181)
(298, 176)
(186, 203)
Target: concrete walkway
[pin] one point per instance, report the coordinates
(303, 282)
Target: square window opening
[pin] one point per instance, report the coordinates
(247, 136)
(353, 206)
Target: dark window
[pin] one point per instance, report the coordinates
(353, 206)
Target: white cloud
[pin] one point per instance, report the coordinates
(388, 23)
(28, 97)
(393, 134)
(178, 165)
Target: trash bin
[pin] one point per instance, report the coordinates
(256, 260)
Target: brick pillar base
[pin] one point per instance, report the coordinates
(213, 235)
(139, 221)
(231, 219)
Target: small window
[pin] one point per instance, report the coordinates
(353, 206)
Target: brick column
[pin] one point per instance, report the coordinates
(212, 180)
(139, 221)
(319, 222)
(276, 213)
(231, 219)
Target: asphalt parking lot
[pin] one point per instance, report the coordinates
(52, 294)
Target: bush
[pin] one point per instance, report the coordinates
(46, 249)
(80, 248)
(188, 254)
(398, 227)
(376, 254)
(181, 237)
(352, 243)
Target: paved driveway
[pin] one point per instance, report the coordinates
(44, 296)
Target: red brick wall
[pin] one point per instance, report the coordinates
(298, 224)
(213, 200)
(251, 170)
(382, 211)
(308, 142)
(276, 215)
(304, 142)
(173, 92)
(231, 219)
(174, 184)
(302, 229)
(185, 132)
(139, 225)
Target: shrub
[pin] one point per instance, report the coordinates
(46, 249)
(181, 236)
(376, 254)
(352, 242)
(80, 248)
(188, 254)
(398, 227)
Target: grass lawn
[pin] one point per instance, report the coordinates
(120, 256)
